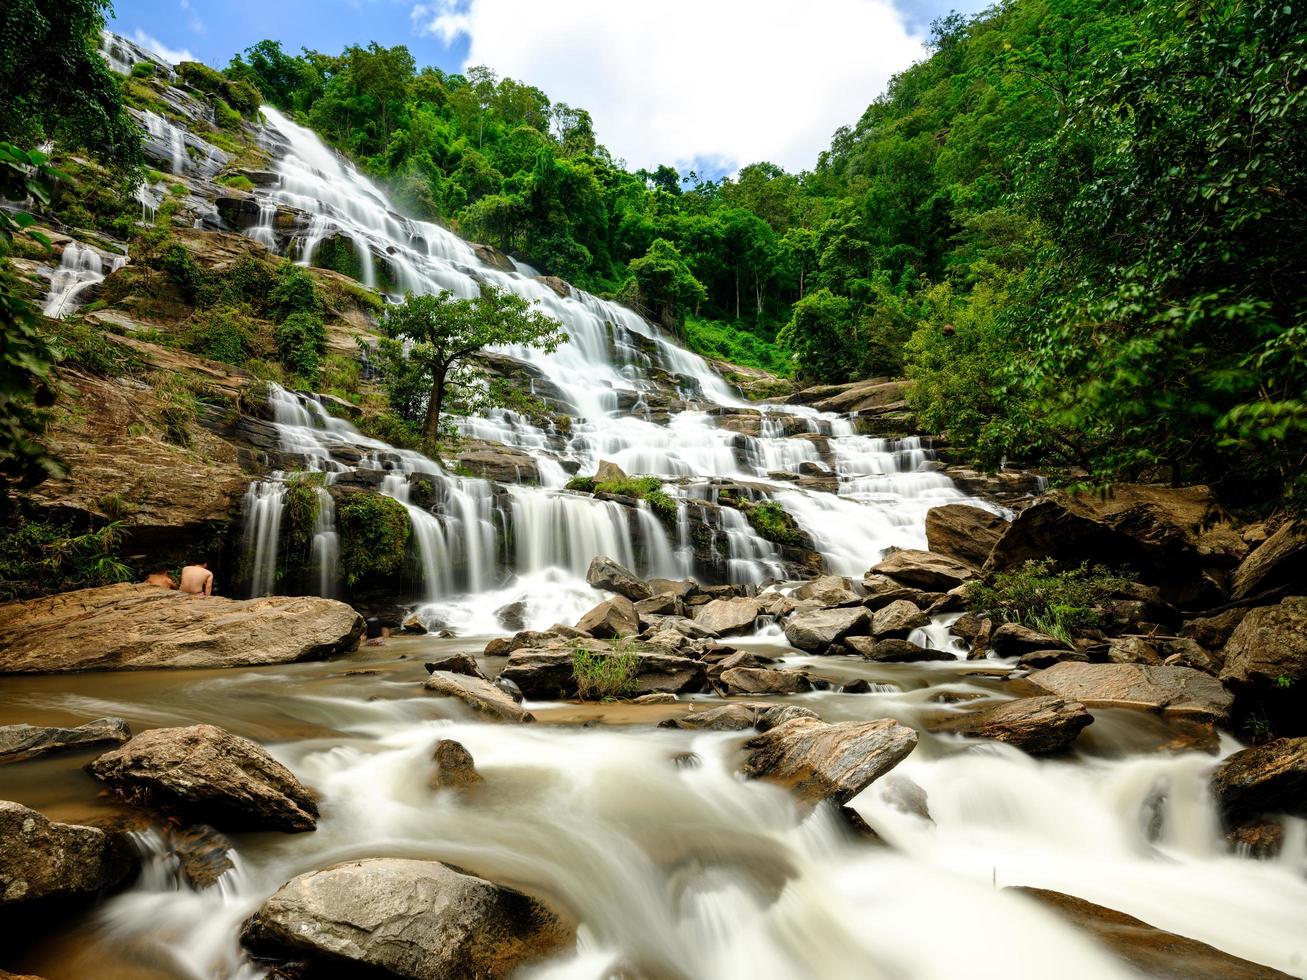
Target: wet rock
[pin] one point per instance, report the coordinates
(677, 587)
(606, 574)
(20, 742)
(828, 762)
(737, 716)
(479, 695)
(503, 464)
(547, 673)
(611, 619)
(1040, 659)
(512, 616)
(661, 697)
(455, 768)
(510, 688)
(1173, 690)
(763, 680)
(664, 604)
(882, 590)
(404, 918)
(1149, 950)
(209, 775)
(1266, 663)
(686, 627)
(137, 627)
(412, 623)
(456, 663)
(44, 860)
(1013, 640)
(727, 616)
(1262, 839)
(894, 651)
(817, 629)
(925, 570)
(733, 660)
(904, 795)
(1265, 779)
(832, 590)
(968, 626)
(1212, 632)
(202, 853)
(1038, 725)
(962, 532)
(897, 620)
(860, 686)
(1279, 563)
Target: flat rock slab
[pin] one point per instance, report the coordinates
(816, 629)
(40, 859)
(404, 918)
(208, 775)
(21, 742)
(894, 651)
(1035, 725)
(1174, 690)
(140, 627)
(1155, 953)
(763, 680)
(478, 694)
(828, 762)
(925, 570)
(737, 716)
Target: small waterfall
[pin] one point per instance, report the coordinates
(324, 552)
(265, 503)
(169, 136)
(80, 267)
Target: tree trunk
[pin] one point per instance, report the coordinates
(431, 428)
(737, 292)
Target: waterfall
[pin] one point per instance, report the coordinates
(80, 267)
(324, 552)
(265, 503)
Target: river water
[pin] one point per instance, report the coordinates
(672, 864)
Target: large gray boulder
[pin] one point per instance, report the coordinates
(404, 918)
(21, 742)
(963, 532)
(925, 570)
(831, 590)
(894, 651)
(727, 616)
(611, 619)
(1014, 640)
(208, 775)
(1179, 691)
(478, 694)
(139, 627)
(816, 629)
(1039, 725)
(763, 680)
(828, 762)
(606, 574)
(40, 859)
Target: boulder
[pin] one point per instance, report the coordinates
(1038, 725)
(897, 620)
(1149, 951)
(663, 604)
(963, 532)
(403, 918)
(208, 775)
(677, 587)
(139, 627)
(546, 673)
(1265, 779)
(828, 762)
(1278, 563)
(456, 663)
(925, 570)
(1039, 659)
(738, 716)
(686, 627)
(455, 768)
(1127, 650)
(815, 630)
(40, 859)
(609, 471)
(894, 651)
(1173, 537)
(882, 590)
(727, 616)
(502, 464)
(478, 694)
(763, 680)
(611, 619)
(1266, 662)
(832, 590)
(20, 742)
(512, 616)
(1174, 690)
(606, 574)
(1212, 632)
(1013, 639)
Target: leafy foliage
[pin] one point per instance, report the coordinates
(1038, 594)
(374, 532)
(646, 488)
(775, 523)
(39, 557)
(605, 676)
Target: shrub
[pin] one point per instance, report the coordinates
(602, 676)
(291, 292)
(774, 523)
(237, 181)
(225, 116)
(222, 335)
(725, 342)
(337, 254)
(374, 532)
(646, 488)
(143, 69)
(301, 339)
(87, 348)
(1038, 594)
(302, 505)
(38, 557)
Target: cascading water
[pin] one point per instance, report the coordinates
(80, 267)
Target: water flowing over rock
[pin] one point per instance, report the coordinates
(828, 762)
(1036, 725)
(208, 775)
(1265, 779)
(1174, 690)
(478, 694)
(817, 629)
(405, 918)
(963, 532)
(137, 627)
(455, 768)
(1151, 951)
(44, 860)
(604, 573)
(21, 742)
(726, 616)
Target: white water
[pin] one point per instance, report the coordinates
(80, 267)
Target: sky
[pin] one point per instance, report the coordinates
(708, 85)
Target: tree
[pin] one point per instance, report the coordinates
(383, 74)
(442, 333)
(818, 336)
(664, 283)
(55, 84)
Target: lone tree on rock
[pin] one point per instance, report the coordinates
(429, 343)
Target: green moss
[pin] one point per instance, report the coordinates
(774, 523)
(374, 532)
(339, 255)
(1038, 594)
(222, 334)
(646, 488)
(302, 505)
(237, 181)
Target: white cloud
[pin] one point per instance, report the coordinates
(153, 44)
(685, 80)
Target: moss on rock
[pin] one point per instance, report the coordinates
(374, 532)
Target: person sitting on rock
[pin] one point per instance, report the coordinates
(197, 579)
(160, 577)
(377, 634)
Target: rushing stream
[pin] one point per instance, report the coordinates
(674, 866)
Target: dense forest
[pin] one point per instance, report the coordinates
(1078, 226)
